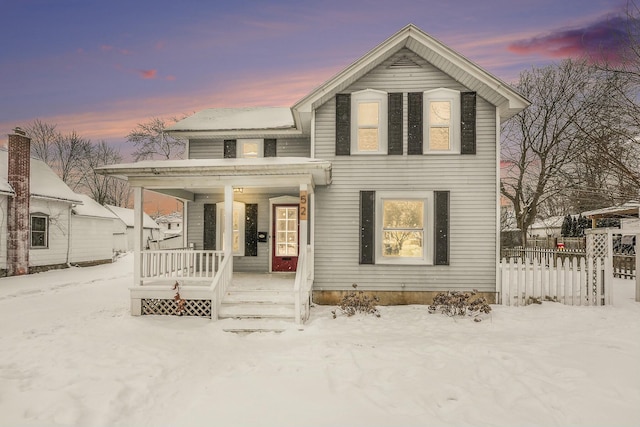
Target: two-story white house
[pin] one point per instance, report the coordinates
(386, 175)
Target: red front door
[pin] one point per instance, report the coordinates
(285, 240)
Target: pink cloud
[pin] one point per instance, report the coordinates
(148, 74)
(160, 45)
(170, 78)
(604, 39)
(106, 48)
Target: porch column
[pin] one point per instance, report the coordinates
(138, 229)
(228, 219)
(304, 215)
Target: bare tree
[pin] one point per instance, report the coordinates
(104, 189)
(541, 144)
(152, 142)
(42, 137)
(69, 153)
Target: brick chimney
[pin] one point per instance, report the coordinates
(18, 226)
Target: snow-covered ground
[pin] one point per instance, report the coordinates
(72, 355)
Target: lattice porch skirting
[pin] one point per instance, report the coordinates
(169, 307)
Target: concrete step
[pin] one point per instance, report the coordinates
(257, 311)
(246, 326)
(252, 296)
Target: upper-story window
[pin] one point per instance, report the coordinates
(441, 121)
(250, 148)
(369, 122)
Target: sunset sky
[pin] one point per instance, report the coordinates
(101, 67)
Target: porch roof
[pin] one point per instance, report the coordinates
(211, 173)
(627, 210)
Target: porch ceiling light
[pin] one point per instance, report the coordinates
(238, 189)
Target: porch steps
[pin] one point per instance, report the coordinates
(264, 302)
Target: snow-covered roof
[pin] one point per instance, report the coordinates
(247, 118)
(551, 222)
(174, 218)
(127, 216)
(5, 188)
(630, 208)
(44, 182)
(90, 207)
(319, 169)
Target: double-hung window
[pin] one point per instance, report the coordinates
(403, 229)
(369, 122)
(441, 121)
(39, 231)
(250, 148)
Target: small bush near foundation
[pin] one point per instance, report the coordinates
(357, 302)
(456, 303)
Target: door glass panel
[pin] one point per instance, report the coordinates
(287, 231)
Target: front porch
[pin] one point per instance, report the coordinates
(241, 215)
(207, 287)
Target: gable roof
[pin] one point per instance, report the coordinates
(127, 216)
(90, 207)
(489, 87)
(44, 183)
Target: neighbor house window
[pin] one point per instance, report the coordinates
(404, 221)
(369, 122)
(441, 121)
(238, 227)
(39, 231)
(250, 148)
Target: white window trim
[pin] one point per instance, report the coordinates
(46, 230)
(442, 94)
(237, 207)
(370, 95)
(240, 143)
(428, 236)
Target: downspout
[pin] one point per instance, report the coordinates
(69, 236)
(498, 211)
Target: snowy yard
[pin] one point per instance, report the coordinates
(72, 355)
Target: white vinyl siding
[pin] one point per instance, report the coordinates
(91, 238)
(471, 181)
(58, 233)
(4, 210)
(213, 148)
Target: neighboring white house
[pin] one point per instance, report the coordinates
(126, 224)
(170, 224)
(91, 232)
(36, 219)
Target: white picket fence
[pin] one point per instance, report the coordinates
(577, 281)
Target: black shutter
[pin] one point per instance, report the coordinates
(395, 124)
(468, 122)
(251, 230)
(209, 236)
(343, 124)
(229, 148)
(270, 148)
(367, 226)
(414, 104)
(441, 232)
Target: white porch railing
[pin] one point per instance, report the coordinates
(220, 283)
(180, 264)
(581, 281)
(302, 285)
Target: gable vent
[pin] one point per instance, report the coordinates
(404, 62)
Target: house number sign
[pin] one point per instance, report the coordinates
(303, 206)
